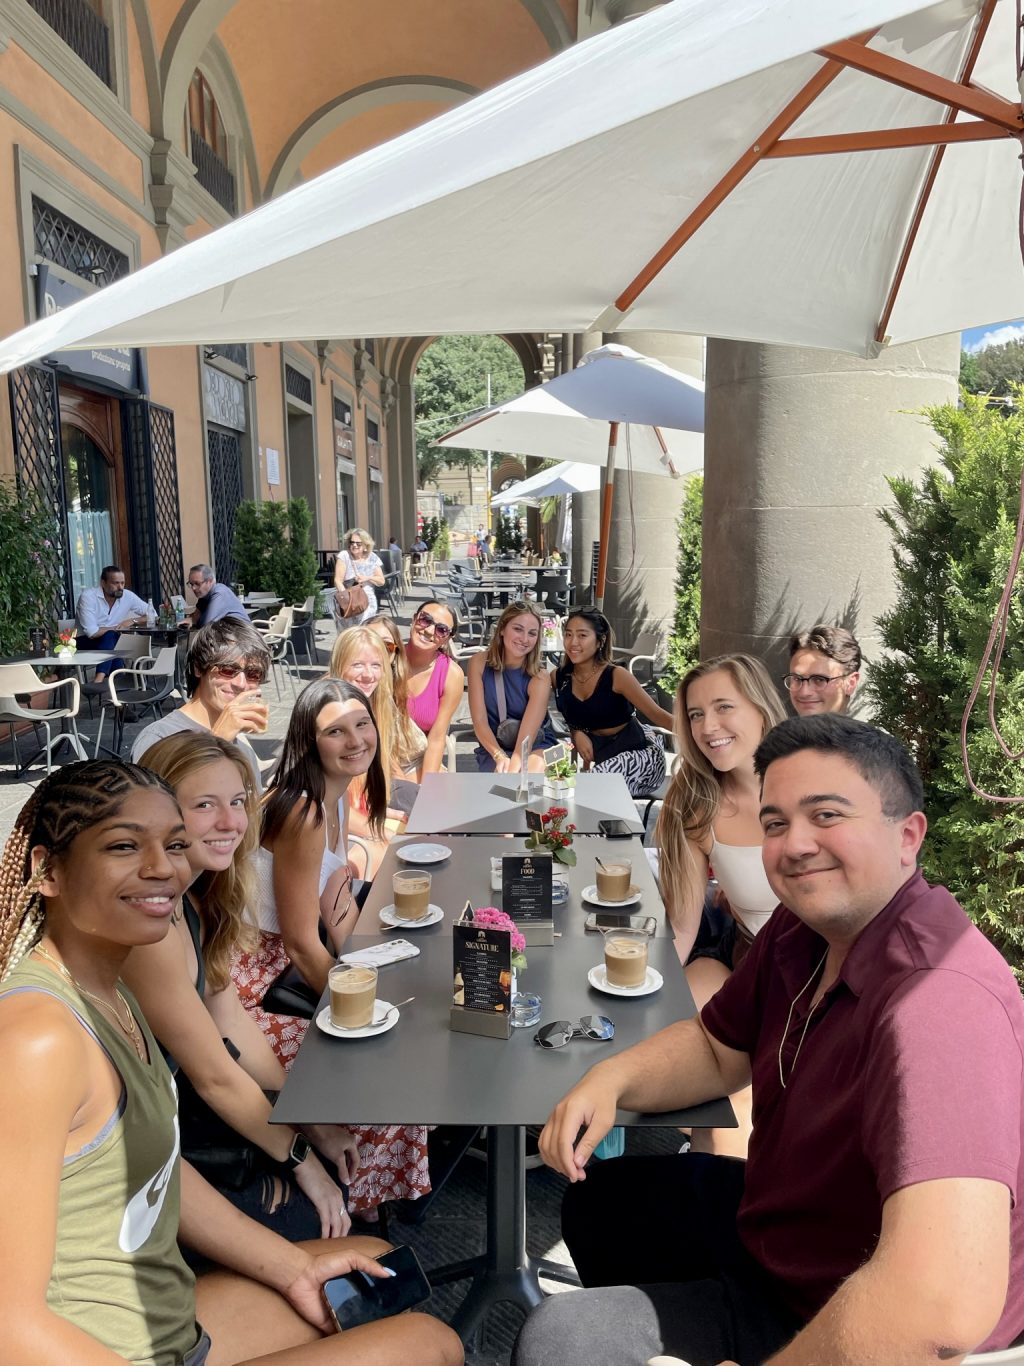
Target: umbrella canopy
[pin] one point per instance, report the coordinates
(569, 416)
(578, 195)
(568, 477)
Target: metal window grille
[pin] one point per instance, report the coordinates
(298, 385)
(76, 23)
(39, 464)
(152, 485)
(225, 455)
(59, 239)
(372, 430)
(343, 412)
(213, 174)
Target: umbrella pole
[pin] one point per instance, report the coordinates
(606, 515)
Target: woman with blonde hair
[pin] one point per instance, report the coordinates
(357, 565)
(509, 691)
(724, 708)
(360, 658)
(184, 987)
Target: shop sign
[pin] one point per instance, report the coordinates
(114, 365)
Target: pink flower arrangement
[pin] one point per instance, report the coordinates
(490, 918)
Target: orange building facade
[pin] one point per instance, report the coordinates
(128, 127)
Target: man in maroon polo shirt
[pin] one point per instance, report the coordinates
(877, 1218)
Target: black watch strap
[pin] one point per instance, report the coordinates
(298, 1152)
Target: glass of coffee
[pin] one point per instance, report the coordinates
(614, 879)
(625, 958)
(353, 993)
(411, 892)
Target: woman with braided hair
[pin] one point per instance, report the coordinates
(90, 1180)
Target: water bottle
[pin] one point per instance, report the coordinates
(150, 613)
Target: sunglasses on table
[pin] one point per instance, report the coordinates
(424, 621)
(557, 1035)
(229, 671)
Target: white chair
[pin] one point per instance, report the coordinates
(277, 636)
(645, 649)
(19, 680)
(134, 691)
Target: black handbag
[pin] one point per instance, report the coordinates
(290, 994)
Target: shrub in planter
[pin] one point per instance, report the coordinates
(273, 550)
(31, 568)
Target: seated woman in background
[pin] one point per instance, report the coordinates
(435, 680)
(93, 1192)
(410, 741)
(184, 987)
(600, 700)
(359, 658)
(304, 881)
(724, 708)
(358, 564)
(509, 691)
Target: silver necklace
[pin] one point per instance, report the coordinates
(789, 1021)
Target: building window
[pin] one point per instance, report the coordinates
(79, 23)
(58, 238)
(210, 144)
(376, 508)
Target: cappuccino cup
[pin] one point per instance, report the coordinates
(411, 893)
(625, 958)
(614, 879)
(353, 993)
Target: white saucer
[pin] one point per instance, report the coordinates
(389, 916)
(422, 853)
(598, 979)
(323, 1021)
(590, 894)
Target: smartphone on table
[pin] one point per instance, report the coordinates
(358, 1298)
(597, 920)
(614, 829)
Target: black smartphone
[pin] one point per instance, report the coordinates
(358, 1298)
(599, 920)
(614, 830)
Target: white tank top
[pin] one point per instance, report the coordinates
(741, 876)
(266, 905)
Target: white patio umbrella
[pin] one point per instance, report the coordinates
(857, 160)
(580, 413)
(567, 477)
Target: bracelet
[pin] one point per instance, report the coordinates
(498, 755)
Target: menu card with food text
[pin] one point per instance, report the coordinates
(526, 895)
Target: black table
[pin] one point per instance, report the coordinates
(467, 874)
(421, 1072)
(487, 804)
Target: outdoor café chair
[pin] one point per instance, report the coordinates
(277, 637)
(644, 650)
(20, 681)
(134, 691)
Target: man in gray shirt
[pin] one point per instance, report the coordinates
(226, 665)
(213, 600)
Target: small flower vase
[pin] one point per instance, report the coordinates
(562, 788)
(64, 652)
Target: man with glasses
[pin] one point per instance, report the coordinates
(214, 600)
(824, 666)
(226, 665)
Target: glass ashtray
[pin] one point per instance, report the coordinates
(526, 1009)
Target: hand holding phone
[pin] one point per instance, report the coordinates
(362, 1298)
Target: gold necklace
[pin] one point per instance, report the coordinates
(789, 1021)
(131, 1028)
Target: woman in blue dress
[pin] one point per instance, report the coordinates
(509, 692)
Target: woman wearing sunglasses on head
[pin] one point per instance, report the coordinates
(358, 565)
(509, 691)
(410, 740)
(435, 680)
(226, 664)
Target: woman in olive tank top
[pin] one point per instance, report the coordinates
(94, 1195)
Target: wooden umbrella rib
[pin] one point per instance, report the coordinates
(883, 139)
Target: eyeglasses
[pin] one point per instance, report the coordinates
(195, 584)
(388, 644)
(818, 682)
(557, 1035)
(230, 671)
(425, 621)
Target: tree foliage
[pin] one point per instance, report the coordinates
(995, 370)
(273, 551)
(31, 568)
(451, 384)
(953, 534)
(684, 642)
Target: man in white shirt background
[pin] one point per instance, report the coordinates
(103, 612)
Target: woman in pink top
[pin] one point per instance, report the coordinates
(435, 680)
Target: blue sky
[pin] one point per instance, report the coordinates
(992, 334)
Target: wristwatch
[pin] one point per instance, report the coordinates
(298, 1152)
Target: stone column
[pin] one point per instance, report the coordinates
(798, 445)
(401, 447)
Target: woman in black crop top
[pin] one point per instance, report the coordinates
(599, 701)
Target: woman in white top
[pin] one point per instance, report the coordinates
(724, 707)
(358, 563)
